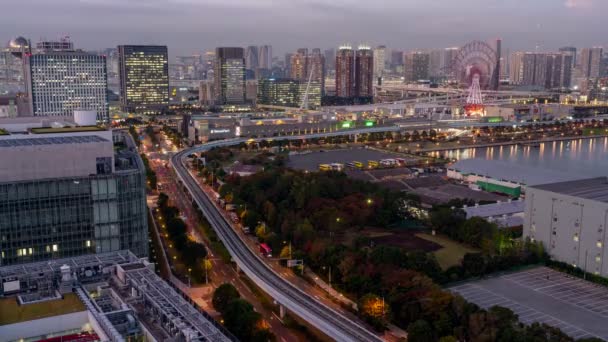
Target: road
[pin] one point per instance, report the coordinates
(327, 320)
(220, 271)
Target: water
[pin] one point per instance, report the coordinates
(587, 157)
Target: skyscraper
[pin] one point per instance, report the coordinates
(230, 75)
(364, 72)
(265, 57)
(570, 51)
(305, 66)
(61, 81)
(591, 59)
(345, 80)
(396, 59)
(547, 70)
(299, 65)
(435, 62)
(416, 66)
(251, 58)
(516, 68)
(288, 63)
(379, 60)
(144, 78)
(330, 59)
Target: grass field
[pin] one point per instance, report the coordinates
(12, 312)
(451, 253)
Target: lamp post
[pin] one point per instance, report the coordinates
(205, 267)
(189, 277)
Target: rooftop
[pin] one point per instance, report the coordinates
(47, 130)
(595, 189)
(511, 172)
(496, 209)
(51, 141)
(13, 312)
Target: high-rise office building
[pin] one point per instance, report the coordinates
(534, 71)
(60, 82)
(345, 78)
(144, 78)
(591, 60)
(230, 75)
(416, 66)
(379, 61)
(251, 58)
(265, 57)
(364, 72)
(288, 92)
(69, 193)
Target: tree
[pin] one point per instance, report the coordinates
(448, 339)
(371, 305)
(420, 331)
(474, 264)
(223, 295)
(241, 319)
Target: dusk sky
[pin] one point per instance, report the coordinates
(188, 26)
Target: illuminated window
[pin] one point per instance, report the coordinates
(599, 244)
(88, 243)
(598, 258)
(55, 248)
(576, 237)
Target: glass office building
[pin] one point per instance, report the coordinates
(144, 78)
(230, 75)
(288, 92)
(97, 211)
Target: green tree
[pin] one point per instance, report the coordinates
(474, 264)
(241, 319)
(420, 331)
(224, 295)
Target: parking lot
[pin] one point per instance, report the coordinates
(577, 307)
(311, 161)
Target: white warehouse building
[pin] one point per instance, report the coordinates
(570, 219)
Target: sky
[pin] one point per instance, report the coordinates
(191, 26)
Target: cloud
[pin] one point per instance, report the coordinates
(578, 3)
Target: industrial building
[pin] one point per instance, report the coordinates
(505, 214)
(105, 297)
(570, 219)
(503, 177)
(68, 191)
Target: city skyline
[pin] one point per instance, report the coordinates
(189, 26)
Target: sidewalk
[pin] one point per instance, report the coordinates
(330, 290)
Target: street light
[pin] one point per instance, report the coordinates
(189, 277)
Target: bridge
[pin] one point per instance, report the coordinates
(319, 315)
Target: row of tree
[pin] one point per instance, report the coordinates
(239, 316)
(191, 253)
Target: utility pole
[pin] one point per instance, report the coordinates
(329, 277)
